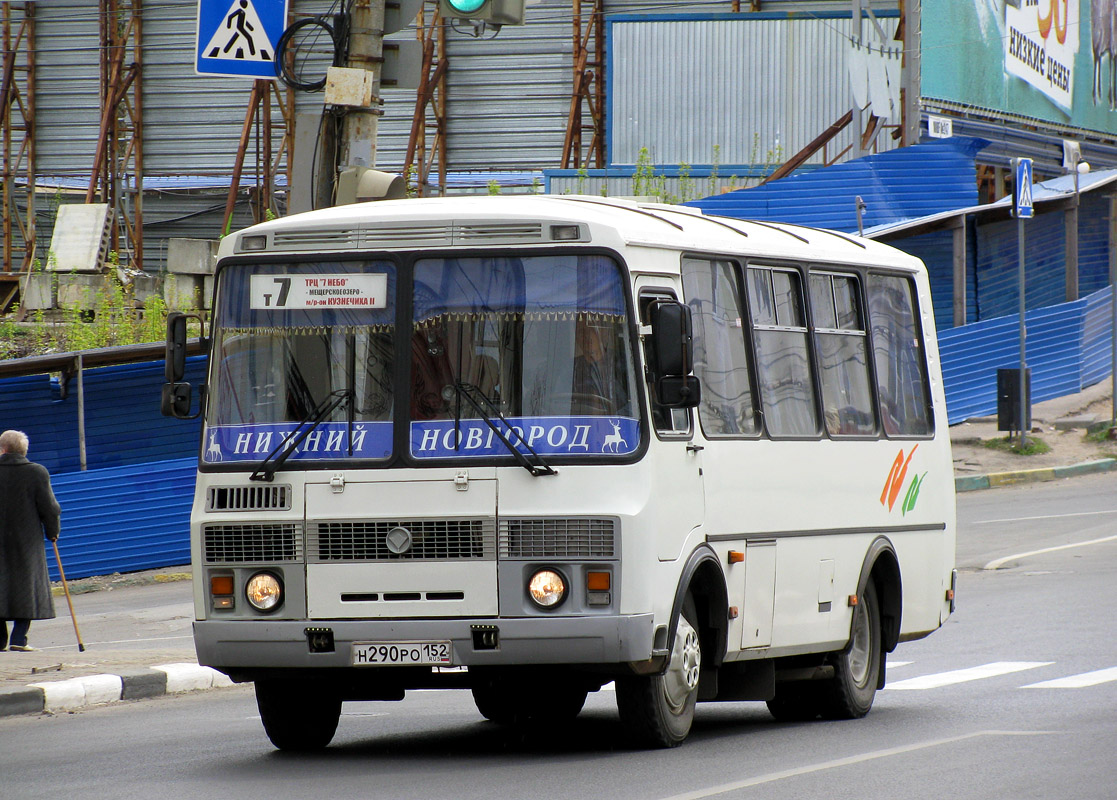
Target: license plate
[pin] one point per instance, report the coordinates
(397, 654)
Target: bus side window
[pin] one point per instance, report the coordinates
(843, 358)
(721, 359)
(667, 421)
(901, 368)
(783, 364)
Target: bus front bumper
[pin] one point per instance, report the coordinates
(228, 644)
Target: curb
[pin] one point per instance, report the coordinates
(51, 697)
(971, 483)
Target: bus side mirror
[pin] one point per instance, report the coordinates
(175, 366)
(176, 400)
(672, 355)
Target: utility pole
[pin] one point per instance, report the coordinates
(366, 51)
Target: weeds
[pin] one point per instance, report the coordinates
(1008, 444)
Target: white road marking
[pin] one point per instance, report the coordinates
(892, 664)
(997, 563)
(772, 777)
(938, 679)
(1043, 516)
(1078, 681)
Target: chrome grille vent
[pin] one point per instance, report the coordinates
(249, 498)
(321, 239)
(557, 538)
(435, 539)
(240, 544)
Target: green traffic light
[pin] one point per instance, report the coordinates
(466, 6)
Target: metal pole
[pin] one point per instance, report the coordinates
(1023, 333)
(1113, 299)
(81, 415)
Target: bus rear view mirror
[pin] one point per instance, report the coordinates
(176, 400)
(677, 391)
(672, 343)
(175, 366)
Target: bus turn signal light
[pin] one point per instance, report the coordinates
(736, 556)
(598, 581)
(221, 585)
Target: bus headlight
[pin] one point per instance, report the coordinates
(546, 588)
(264, 591)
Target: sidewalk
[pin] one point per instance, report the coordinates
(149, 651)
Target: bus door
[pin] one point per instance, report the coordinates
(402, 548)
(676, 498)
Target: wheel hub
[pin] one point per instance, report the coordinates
(683, 670)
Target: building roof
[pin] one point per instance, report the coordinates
(907, 183)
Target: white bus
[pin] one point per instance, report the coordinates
(535, 446)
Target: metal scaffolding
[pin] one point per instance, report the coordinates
(117, 172)
(584, 144)
(17, 146)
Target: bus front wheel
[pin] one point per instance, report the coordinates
(849, 694)
(659, 709)
(295, 716)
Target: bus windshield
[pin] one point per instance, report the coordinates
(542, 344)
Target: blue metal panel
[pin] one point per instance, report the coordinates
(1097, 337)
(826, 198)
(1067, 348)
(124, 519)
(123, 424)
(936, 250)
(997, 265)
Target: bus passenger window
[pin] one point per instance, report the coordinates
(721, 361)
(783, 362)
(840, 340)
(901, 367)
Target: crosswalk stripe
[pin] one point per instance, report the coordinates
(962, 675)
(1078, 681)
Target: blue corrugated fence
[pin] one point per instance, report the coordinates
(1068, 348)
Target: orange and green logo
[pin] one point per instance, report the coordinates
(895, 483)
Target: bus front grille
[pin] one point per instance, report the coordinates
(273, 497)
(263, 543)
(392, 540)
(577, 537)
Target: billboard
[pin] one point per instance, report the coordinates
(1051, 60)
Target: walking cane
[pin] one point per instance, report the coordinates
(69, 602)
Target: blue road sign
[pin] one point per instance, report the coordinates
(237, 38)
(1022, 191)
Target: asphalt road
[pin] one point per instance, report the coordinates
(1013, 698)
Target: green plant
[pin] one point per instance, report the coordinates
(685, 183)
(644, 174)
(494, 187)
(712, 185)
(583, 176)
(1032, 446)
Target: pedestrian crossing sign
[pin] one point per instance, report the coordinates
(1022, 189)
(237, 38)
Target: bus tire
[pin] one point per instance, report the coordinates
(295, 717)
(517, 703)
(658, 710)
(849, 694)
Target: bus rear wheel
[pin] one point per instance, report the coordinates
(659, 709)
(850, 693)
(296, 717)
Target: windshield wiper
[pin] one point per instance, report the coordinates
(267, 469)
(476, 399)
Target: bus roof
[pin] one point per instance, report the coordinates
(516, 220)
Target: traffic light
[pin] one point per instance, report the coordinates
(493, 12)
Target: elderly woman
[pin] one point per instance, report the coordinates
(28, 511)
